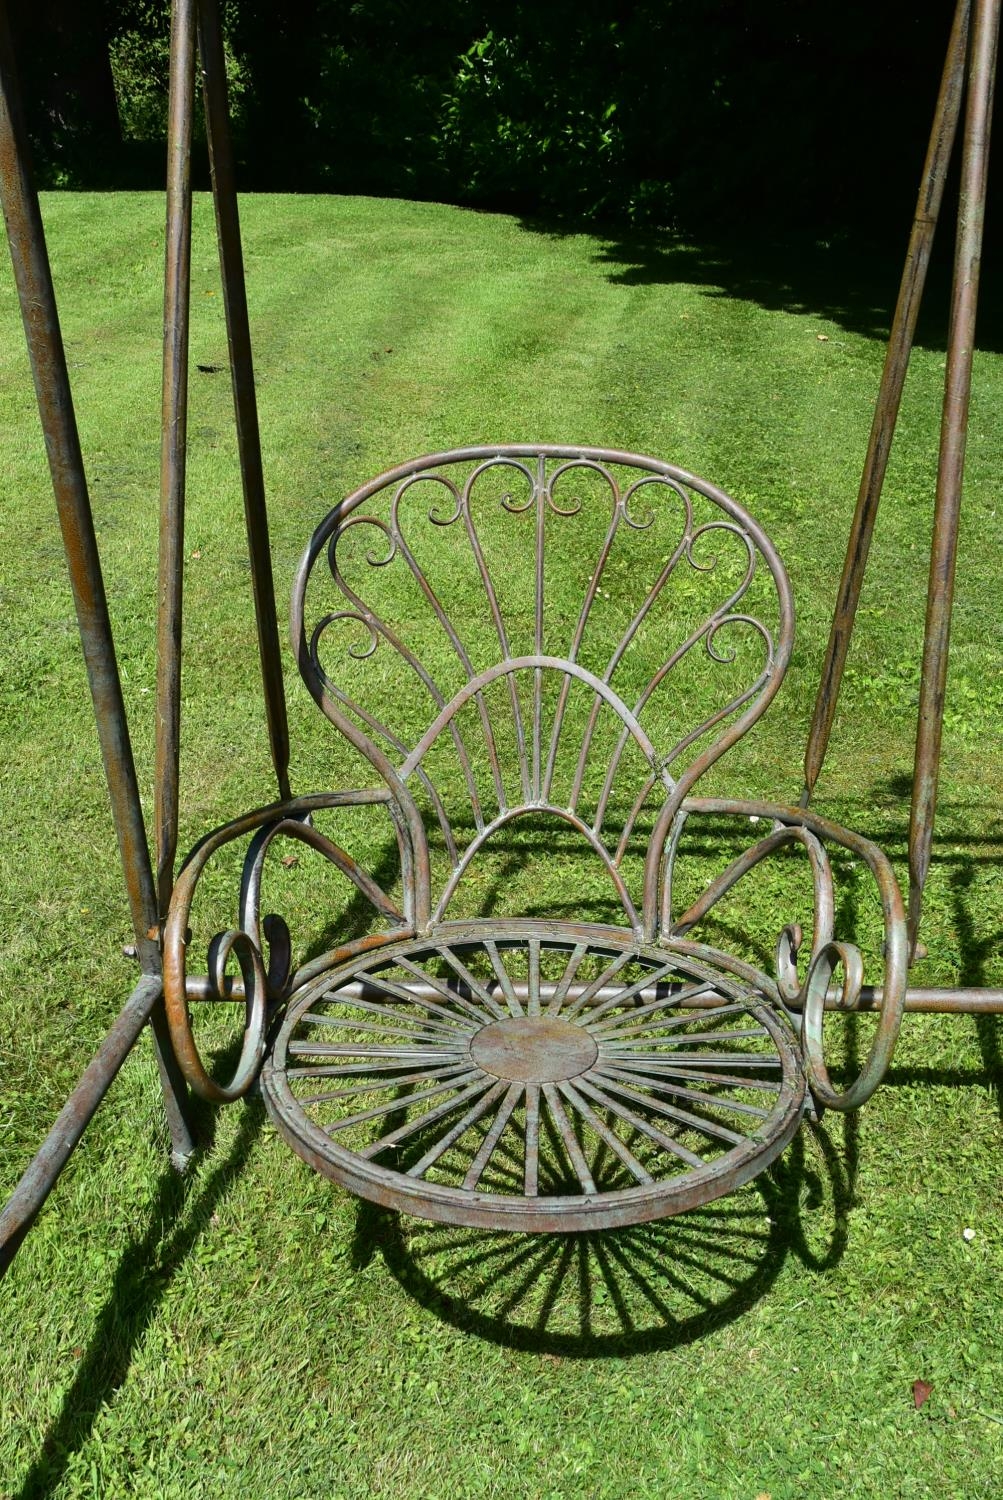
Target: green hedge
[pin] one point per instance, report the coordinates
(731, 112)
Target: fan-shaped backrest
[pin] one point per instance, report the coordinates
(517, 629)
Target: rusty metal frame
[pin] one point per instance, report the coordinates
(388, 1018)
(147, 896)
(151, 888)
(41, 323)
(970, 69)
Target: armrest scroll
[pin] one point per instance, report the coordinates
(264, 985)
(792, 824)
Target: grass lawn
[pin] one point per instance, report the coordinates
(251, 1329)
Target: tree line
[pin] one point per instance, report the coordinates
(702, 117)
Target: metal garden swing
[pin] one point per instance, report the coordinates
(528, 1072)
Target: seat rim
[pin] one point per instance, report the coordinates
(603, 1209)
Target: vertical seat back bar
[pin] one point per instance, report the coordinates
(173, 446)
(213, 66)
(36, 295)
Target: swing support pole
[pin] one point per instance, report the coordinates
(55, 403)
(173, 445)
(886, 409)
(953, 436)
(201, 17)
(972, 60)
(231, 263)
(148, 893)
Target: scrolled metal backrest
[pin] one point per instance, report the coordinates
(527, 629)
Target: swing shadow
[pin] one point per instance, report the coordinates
(181, 1212)
(635, 1290)
(642, 1288)
(614, 1294)
(142, 1277)
(657, 1287)
(975, 951)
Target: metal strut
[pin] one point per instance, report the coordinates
(148, 895)
(55, 404)
(187, 16)
(971, 62)
(886, 408)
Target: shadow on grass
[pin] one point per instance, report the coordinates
(359, 916)
(851, 283)
(974, 952)
(628, 1291)
(181, 1211)
(606, 1295)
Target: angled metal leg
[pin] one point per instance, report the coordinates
(55, 404)
(953, 435)
(886, 409)
(210, 46)
(24, 1204)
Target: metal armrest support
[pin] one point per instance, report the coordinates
(262, 985)
(793, 824)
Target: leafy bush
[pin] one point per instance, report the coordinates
(733, 114)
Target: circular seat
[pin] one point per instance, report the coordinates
(537, 1075)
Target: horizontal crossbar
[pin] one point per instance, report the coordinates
(918, 1000)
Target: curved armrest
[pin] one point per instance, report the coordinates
(247, 942)
(798, 824)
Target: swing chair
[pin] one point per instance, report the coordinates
(476, 1069)
(566, 636)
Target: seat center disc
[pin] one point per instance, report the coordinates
(533, 1049)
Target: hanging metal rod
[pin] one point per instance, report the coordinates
(224, 188)
(173, 448)
(886, 409)
(953, 438)
(36, 295)
(965, 1001)
(189, 16)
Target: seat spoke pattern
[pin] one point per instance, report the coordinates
(539, 1074)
